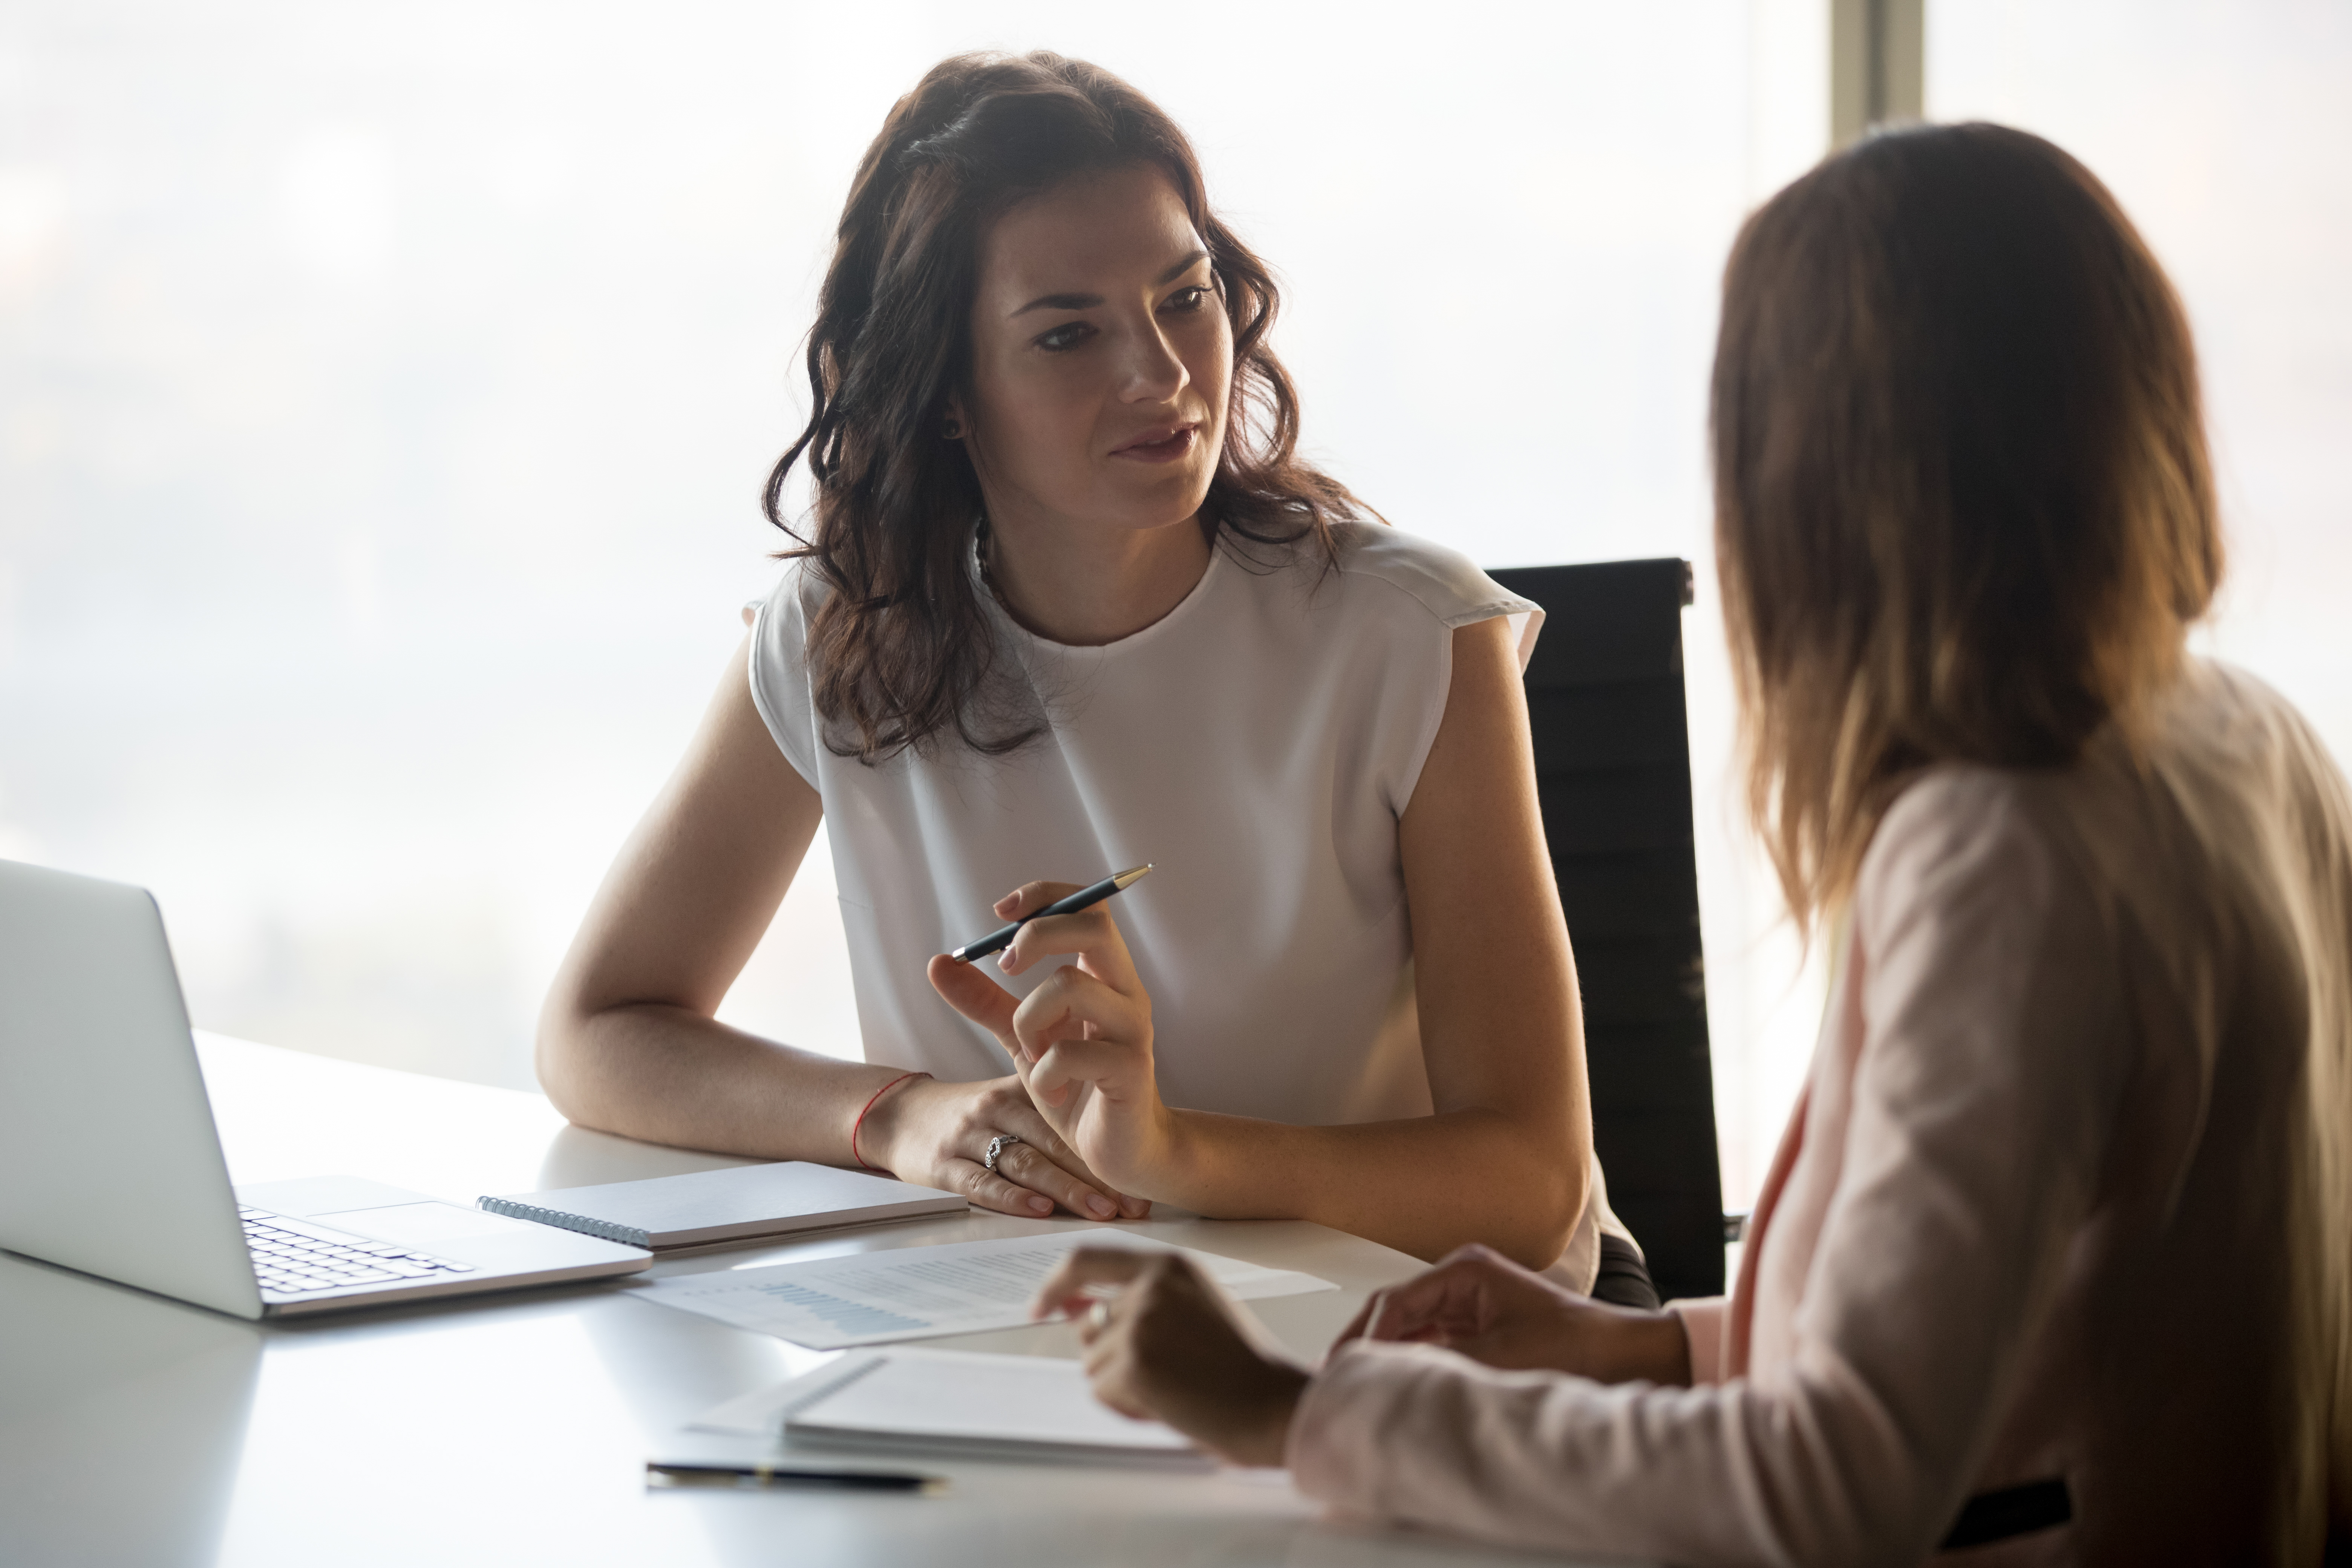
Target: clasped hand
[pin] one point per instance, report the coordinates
(1080, 1042)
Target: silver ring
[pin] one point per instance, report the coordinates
(996, 1146)
(1098, 1316)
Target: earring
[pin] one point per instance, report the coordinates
(955, 428)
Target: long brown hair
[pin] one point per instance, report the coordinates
(1963, 505)
(901, 650)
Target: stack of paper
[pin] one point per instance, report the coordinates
(954, 1402)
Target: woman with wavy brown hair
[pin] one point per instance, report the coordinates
(2053, 1259)
(1067, 601)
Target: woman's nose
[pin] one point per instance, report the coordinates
(1155, 373)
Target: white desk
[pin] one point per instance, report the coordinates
(514, 1429)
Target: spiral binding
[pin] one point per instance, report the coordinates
(604, 1229)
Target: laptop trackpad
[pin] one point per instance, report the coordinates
(427, 1225)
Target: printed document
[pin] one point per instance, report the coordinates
(922, 1293)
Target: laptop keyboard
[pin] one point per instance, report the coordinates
(291, 1258)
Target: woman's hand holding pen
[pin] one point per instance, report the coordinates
(1081, 1040)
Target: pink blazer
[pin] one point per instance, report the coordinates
(2067, 1195)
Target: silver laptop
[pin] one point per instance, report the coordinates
(109, 1162)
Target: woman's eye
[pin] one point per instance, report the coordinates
(1191, 299)
(1065, 337)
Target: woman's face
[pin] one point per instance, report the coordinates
(1101, 357)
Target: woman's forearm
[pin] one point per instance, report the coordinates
(626, 1041)
(665, 1074)
(1423, 1187)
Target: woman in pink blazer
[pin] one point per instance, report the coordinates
(2055, 1264)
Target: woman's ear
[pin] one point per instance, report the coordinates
(953, 425)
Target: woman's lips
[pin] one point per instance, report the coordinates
(1161, 446)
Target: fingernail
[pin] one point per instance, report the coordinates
(1102, 1206)
(1041, 1205)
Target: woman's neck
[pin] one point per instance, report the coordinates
(1088, 585)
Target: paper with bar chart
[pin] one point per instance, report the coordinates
(921, 1292)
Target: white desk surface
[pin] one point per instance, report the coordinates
(514, 1429)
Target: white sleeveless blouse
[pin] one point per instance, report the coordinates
(1258, 744)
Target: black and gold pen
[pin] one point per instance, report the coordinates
(1084, 899)
(753, 1477)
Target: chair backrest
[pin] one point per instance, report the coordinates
(1612, 769)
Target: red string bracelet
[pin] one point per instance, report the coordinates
(860, 1123)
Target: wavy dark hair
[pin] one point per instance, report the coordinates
(900, 652)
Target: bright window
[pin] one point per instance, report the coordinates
(2223, 131)
(385, 392)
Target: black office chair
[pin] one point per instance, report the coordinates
(1612, 770)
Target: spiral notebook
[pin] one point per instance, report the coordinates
(745, 1203)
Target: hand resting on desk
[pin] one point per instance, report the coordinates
(1171, 1345)
(935, 1133)
(1481, 1304)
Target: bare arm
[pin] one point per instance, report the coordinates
(1505, 1158)
(628, 1042)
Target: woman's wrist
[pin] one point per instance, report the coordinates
(1258, 1432)
(874, 1137)
(1167, 1157)
(1656, 1349)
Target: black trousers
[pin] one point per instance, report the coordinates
(1624, 1280)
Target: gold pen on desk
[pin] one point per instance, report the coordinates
(758, 1478)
